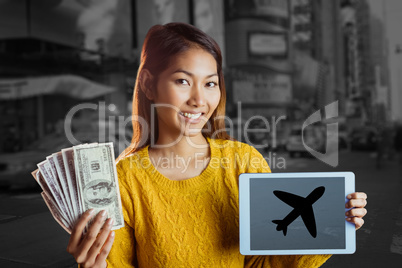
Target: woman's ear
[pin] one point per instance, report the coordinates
(146, 81)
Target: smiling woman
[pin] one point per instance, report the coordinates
(190, 85)
(170, 63)
(179, 177)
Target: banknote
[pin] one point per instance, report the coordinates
(68, 160)
(97, 179)
(35, 174)
(56, 213)
(44, 169)
(62, 187)
(42, 183)
(80, 178)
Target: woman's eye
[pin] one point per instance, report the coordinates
(211, 84)
(182, 81)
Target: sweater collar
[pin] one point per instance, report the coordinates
(199, 181)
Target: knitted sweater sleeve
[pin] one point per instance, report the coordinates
(278, 261)
(123, 251)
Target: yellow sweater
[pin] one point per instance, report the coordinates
(193, 222)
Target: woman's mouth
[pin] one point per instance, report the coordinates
(191, 117)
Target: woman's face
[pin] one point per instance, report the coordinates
(187, 93)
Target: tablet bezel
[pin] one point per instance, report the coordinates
(244, 213)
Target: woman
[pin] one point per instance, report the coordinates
(179, 179)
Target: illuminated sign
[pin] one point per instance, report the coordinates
(267, 44)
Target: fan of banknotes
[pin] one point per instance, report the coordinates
(80, 178)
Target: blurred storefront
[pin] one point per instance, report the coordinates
(55, 55)
(258, 58)
(282, 57)
(359, 71)
(35, 107)
(99, 26)
(332, 58)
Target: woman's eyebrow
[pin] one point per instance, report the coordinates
(192, 75)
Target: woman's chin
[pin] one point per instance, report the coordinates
(192, 133)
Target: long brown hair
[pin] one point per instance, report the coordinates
(161, 43)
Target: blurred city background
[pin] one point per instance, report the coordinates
(68, 68)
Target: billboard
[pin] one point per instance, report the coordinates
(267, 44)
(272, 10)
(99, 26)
(273, 88)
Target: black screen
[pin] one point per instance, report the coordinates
(266, 207)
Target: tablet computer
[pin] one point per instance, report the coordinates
(295, 213)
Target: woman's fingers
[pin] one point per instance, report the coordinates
(104, 252)
(357, 221)
(76, 233)
(100, 241)
(357, 200)
(356, 203)
(93, 247)
(357, 212)
(357, 195)
(90, 236)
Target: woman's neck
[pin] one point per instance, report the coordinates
(184, 146)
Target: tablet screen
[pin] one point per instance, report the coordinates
(266, 207)
(295, 213)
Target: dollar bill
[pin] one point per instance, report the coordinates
(62, 187)
(68, 160)
(77, 179)
(56, 213)
(35, 174)
(42, 183)
(52, 186)
(97, 180)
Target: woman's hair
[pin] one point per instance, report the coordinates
(161, 44)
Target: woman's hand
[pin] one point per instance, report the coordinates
(357, 201)
(91, 249)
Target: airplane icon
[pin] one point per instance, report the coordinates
(301, 207)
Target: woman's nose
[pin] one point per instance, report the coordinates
(197, 97)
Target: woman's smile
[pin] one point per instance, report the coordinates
(192, 118)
